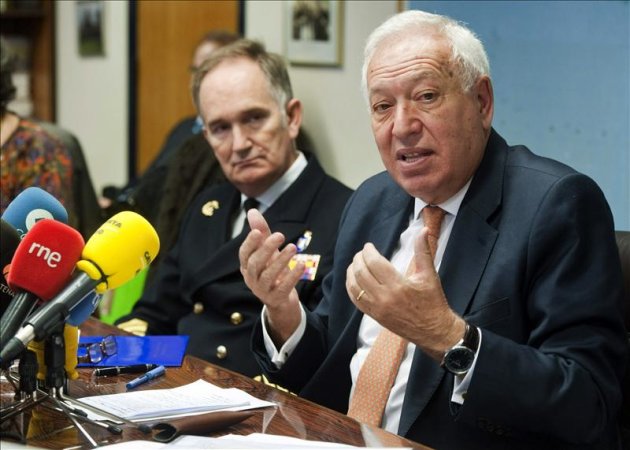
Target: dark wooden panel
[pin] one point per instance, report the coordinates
(167, 32)
(35, 21)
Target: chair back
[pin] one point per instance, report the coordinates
(623, 243)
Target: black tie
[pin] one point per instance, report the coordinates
(249, 203)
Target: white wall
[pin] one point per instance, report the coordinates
(92, 93)
(335, 112)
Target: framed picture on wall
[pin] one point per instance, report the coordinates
(90, 27)
(314, 32)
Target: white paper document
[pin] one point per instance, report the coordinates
(254, 441)
(231, 441)
(195, 398)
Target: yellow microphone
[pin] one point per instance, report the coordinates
(120, 249)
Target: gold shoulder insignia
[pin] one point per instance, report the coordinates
(208, 208)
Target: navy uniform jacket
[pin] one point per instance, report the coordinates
(198, 289)
(532, 261)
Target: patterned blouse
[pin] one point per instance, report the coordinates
(33, 157)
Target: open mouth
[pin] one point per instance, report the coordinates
(412, 157)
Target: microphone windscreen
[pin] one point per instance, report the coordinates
(9, 240)
(84, 309)
(45, 258)
(123, 246)
(32, 205)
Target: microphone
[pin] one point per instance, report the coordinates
(84, 309)
(30, 206)
(9, 240)
(122, 247)
(41, 267)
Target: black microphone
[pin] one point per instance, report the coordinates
(9, 240)
(55, 359)
(122, 247)
(28, 373)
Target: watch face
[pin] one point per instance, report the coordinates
(458, 360)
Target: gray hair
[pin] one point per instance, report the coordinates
(272, 65)
(467, 51)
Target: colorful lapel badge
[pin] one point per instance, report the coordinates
(311, 262)
(208, 208)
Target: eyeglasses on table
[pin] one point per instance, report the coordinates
(98, 351)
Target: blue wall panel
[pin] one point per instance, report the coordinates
(561, 74)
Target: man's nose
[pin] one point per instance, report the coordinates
(406, 121)
(240, 139)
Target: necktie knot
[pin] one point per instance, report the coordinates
(250, 203)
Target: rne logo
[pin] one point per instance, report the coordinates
(51, 257)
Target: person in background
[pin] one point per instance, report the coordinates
(193, 168)
(476, 296)
(144, 195)
(88, 215)
(30, 156)
(251, 120)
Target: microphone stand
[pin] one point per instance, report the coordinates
(25, 385)
(55, 357)
(26, 394)
(54, 391)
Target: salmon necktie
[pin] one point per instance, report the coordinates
(379, 370)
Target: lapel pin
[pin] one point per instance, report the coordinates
(304, 241)
(209, 208)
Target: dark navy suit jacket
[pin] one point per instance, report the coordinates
(532, 261)
(198, 287)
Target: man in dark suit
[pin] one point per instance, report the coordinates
(251, 120)
(504, 312)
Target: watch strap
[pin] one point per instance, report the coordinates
(470, 341)
(471, 337)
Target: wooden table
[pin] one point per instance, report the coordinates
(293, 416)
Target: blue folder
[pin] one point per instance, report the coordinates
(163, 350)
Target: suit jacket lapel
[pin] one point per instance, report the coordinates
(287, 215)
(218, 243)
(464, 261)
(472, 237)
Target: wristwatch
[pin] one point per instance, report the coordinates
(459, 359)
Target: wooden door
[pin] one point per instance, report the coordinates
(167, 32)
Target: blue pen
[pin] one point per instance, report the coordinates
(150, 375)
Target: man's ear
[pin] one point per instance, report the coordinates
(294, 117)
(485, 97)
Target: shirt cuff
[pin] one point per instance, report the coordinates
(279, 357)
(460, 384)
